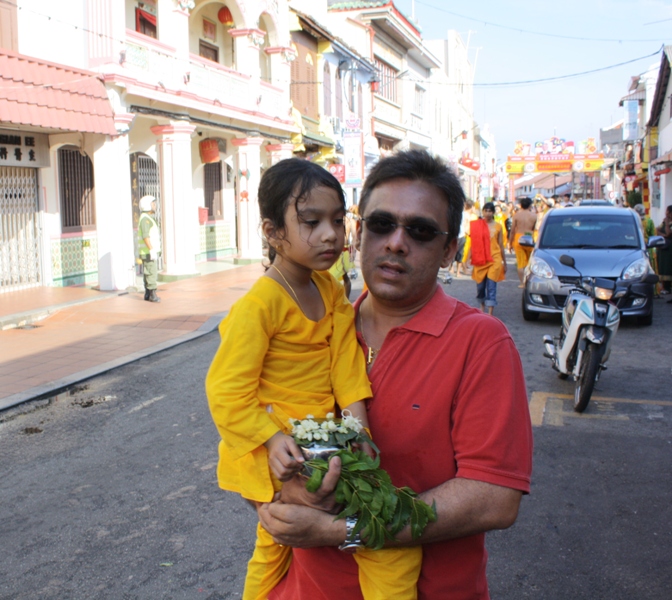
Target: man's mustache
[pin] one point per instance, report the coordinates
(402, 264)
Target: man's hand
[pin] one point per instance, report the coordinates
(301, 519)
(301, 526)
(294, 491)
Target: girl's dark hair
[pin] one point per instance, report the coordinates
(419, 165)
(290, 180)
(489, 206)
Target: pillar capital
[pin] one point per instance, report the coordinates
(250, 141)
(173, 129)
(289, 147)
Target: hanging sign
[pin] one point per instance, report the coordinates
(338, 171)
(630, 121)
(352, 152)
(23, 149)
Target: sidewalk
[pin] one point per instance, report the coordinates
(53, 338)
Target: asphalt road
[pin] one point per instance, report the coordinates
(110, 492)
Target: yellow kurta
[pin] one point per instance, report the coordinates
(273, 358)
(494, 270)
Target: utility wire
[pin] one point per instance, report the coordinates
(424, 81)
(541, 33)
(531, 81)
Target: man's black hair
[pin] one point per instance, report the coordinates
(525, 202)
(419, 165)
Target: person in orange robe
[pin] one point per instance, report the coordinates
(487, 257)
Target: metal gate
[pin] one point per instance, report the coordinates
(145, 181)
(20, 230)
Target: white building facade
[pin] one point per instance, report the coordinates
(199, 93)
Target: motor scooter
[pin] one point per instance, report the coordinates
(589, 323)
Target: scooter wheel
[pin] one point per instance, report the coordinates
(590, 367)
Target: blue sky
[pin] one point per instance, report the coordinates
(522, 40)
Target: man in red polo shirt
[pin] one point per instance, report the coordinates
(448, 423)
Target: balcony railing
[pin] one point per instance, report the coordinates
(157, 64)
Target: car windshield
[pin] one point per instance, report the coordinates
(589, 231)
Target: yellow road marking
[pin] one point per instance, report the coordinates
(546, 407)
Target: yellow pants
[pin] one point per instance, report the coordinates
(383, 574)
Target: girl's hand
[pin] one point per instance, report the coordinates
(366, 448)
(284, 456)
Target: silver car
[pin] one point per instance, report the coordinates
(605, 241)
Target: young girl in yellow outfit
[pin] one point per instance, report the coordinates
(288, 350)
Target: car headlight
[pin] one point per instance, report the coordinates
(540, 268)
(637, 269)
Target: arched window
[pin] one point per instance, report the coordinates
(360, 102)
(144, 182)
(339, 95)
(264, 58)
(75, 179)
(212, 189)
(326, 79)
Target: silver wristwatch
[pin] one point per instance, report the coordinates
(353, 542)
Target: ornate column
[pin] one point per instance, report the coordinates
(248, 166)
(179, 212)
(114, 213)
(278, 152)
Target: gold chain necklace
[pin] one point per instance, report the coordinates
(289, 286)
(372, 352)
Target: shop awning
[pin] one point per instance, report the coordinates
(43, 94)
(665, 158)
(639, 95)
(313, 138)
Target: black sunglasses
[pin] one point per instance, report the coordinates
(419, 231)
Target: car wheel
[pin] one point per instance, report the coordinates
(529, 315)
(645, 321)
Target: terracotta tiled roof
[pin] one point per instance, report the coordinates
(38, 93)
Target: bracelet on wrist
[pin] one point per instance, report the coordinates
(352, 542)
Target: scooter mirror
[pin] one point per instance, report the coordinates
(567, 260)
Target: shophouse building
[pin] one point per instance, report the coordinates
(197, 101)
(189, 101)
(659, 135)
(402, 111)
(331, 96)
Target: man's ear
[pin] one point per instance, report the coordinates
(358, 234)
(449, 253)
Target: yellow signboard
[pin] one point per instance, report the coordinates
(555, 163)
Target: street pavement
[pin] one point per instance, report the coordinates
(52, 338)
(109, 489)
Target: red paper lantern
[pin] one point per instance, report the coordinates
(475, 165)
(209, 150)
(225, 17)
